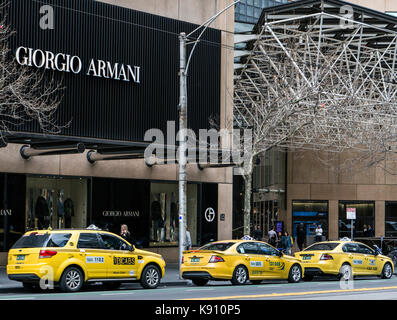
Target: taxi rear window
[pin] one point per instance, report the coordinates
(322, 246)
(217, 246)
(38, 240)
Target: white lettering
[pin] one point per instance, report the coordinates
(18, 57)
(80, 64)
(92, 68)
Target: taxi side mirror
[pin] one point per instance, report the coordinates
(280, 254)
(131, 248)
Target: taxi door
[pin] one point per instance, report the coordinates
(123, 262)
(356, 258)
(273, 264)
(248, 252)
(371, 263)
(91, 254)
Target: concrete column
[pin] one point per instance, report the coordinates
(225, 207)
(333, 218)
(380, 216)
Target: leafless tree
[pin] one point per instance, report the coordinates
(304, 89)
(26, 94)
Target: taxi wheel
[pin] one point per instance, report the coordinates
(72, 280)
(240, 275)
(345, 272)
(150, 278)
(200, 282)
(387, 271)
(295, 274)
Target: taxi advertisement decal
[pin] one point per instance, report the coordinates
(94, 259)
(359, 262)
(256, 264)
(123, 261)
(279, 265)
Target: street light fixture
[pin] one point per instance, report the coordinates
(183, 70)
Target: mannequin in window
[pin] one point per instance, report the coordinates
(41, 210)
(69, 212)
(61, 210)
(174, 218)
(157, 219)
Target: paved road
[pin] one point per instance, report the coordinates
(371, 288)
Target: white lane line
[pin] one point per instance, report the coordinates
(23, 298)
(200, 289)
(115, 294)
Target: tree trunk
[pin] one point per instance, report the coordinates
(247, 203)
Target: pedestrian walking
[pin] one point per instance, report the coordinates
(258, 233)
(279, 244)
(126, 234)
(272, 237)
(319, 233)
(365, 231)
(287, 243)
(188, 240)
(371, 232)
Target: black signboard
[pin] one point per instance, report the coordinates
(119, 67)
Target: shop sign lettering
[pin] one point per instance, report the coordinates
(5, 212)
(67, 63)
(133, 213)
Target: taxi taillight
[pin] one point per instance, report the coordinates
(47, 254)
(216, 259)
(326, 256)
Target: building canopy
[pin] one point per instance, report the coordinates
(319, 74)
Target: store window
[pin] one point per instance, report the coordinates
(391, 219)
(164, 213)
(12, 209)
(117, 202)
(56, 203)
(310, 214)
(365, 216)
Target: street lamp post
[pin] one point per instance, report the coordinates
(182, 161)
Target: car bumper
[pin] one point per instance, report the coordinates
(24, 277)
(321, 268)
(204, 272)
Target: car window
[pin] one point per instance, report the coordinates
(351, 248)
(247, 248)
(110, 242)
(33, 240)
(217, 246)
(365, 250)
(88, 241)
(265, 249)
(322, 247)
(58, 239)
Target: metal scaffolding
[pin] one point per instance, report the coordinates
(319, 75)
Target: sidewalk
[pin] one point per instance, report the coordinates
(171, 277)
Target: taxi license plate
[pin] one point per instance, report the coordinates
(306, 257)
(20, 257)
(195, 260)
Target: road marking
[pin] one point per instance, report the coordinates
(200, 289)
(272, 295)
(19, 298)
(115, 294)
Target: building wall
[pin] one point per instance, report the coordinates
(380, 5)
(77, 165)
(309, 179)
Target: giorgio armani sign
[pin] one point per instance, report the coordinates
(68, 63)
(118, 67)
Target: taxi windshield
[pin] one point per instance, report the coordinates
(217, 246)
(322, 246)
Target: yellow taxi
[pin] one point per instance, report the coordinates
(345, 259)
(72, 258)
(239, 261)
